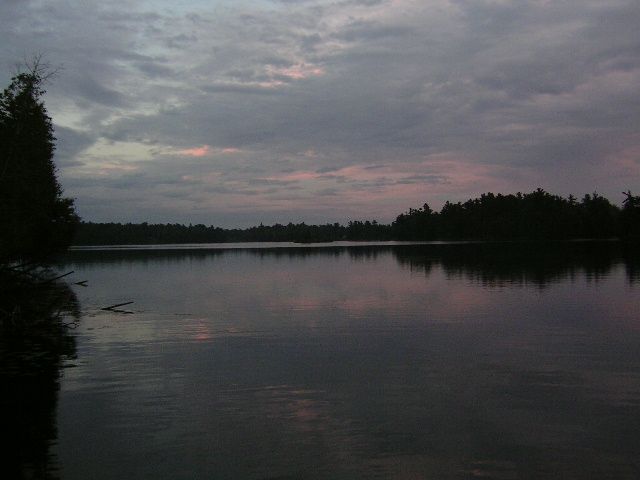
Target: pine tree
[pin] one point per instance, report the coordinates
(36, 221)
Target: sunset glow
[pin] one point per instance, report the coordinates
(202, 151)
(296, 72)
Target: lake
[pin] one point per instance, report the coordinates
(432, 361)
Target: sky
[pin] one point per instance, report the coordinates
(233, 113)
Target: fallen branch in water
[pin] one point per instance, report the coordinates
(112, 307)
(51, 280)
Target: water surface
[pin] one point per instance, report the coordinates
(429, 361)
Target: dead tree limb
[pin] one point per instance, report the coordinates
(111, 307)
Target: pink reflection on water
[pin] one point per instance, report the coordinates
(201, 331)
(369, 294)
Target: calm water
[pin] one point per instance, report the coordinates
(393, 362)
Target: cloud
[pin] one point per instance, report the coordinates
(261, 88)
(295, 72)
(312, 108)
(70, 143)
(196, 151)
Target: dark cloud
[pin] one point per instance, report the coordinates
(155, 69)
(92, 90)
(69, 144)
(428, 179)
(361, 31)
(240, 88)
(180, 41)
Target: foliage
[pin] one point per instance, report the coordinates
(36, 220)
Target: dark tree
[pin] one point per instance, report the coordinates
(630, 217)
(599, 217)
(36, 221)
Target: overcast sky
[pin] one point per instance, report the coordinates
(238, 112)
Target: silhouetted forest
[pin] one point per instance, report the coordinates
(37, 221)
(146, 234)
(538, 215)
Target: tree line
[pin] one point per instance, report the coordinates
(538, 215)
(90, 233)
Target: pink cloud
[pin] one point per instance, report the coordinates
(383, 190)
(298, 176)
(206, 150)
(196, 151)
(456, 172)
(296, 72)
(230, 150)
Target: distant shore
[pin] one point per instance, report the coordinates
(535, 216)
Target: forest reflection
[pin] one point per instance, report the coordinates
(487, 263)
(35, 343)
(495, 264)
